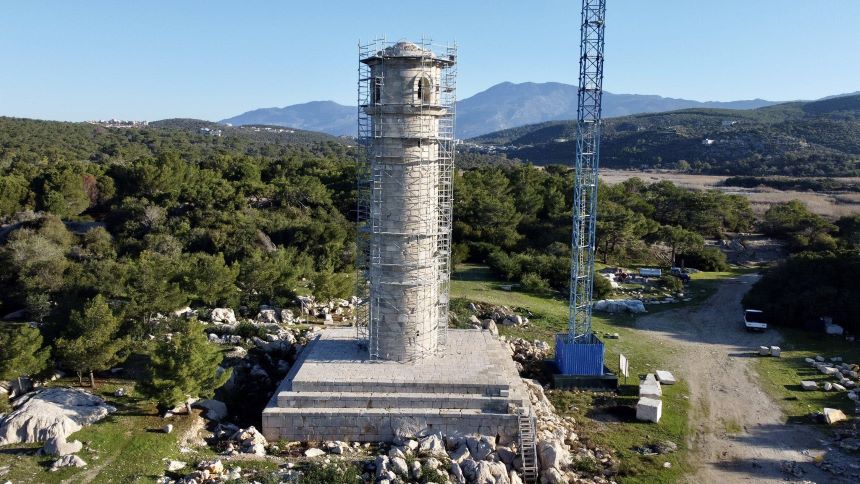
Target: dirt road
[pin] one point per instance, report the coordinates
(738, 433)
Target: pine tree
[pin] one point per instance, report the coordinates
(93, 343)
(21, 353)
(183, 366)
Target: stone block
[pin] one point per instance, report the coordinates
(764, 350)
(775, 351)
(809, 385)
(649, 409)
(650, 387)
(832, 415)
(665, 377)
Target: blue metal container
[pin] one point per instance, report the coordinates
(581, 357)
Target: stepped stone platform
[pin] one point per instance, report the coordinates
(334, 392)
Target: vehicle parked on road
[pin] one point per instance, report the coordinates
(754, 320)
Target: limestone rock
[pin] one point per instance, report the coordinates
(51, 412)
(775, 351)
(832, 415)
(457, 473)
(764, 350)
(267, 316)
(167, 428)
(67, 461)
(514, 478)
(480, 447)
(506, 455)
(460, 454)
(432, 445)
(399, 467)
(484, 474)
(827, 386)
(215, 409)
(633, 306)
(415, 471)
(381, 465)
(223, 315)
(665, 377)
(552, 453)
(470, 469)
(838, 387)
(808, 385)
(552, 476)
(59, 447)
(175, 465)
(314, 452)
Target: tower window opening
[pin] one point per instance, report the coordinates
(423, 90)
(376, 96)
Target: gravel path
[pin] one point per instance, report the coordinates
(738, 432)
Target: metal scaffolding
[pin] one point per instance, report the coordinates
(404, 190)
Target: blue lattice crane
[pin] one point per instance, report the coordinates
(579, 352)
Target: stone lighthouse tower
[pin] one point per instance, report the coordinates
(405, 374)
(406, 116)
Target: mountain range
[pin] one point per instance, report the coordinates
(502, 106)
(815, 138)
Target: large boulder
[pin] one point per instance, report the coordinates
(267, 316)
(633, 306)
(553, 454)
(481, 447)
(51, 413)
(223, 315)
(215, 409)
(432, 445)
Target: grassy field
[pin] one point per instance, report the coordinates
(605, 419)
(781, 376)
(128, 446)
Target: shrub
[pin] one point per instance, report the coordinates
(671, 283)
(601, 287)
(247, 329)
(707, 259)
(331, 473)
(534, 283)
(503, 265)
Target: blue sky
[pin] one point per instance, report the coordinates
(76, 60)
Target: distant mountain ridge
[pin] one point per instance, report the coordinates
(815, 138)
(502, 106)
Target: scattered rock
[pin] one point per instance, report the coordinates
(665, 377)
(215, 409)
(809, 385)
(67, 461)
(832, 415)
(167, 428)
(175, 465)
(399, 467)
(58, 446)
(223, 315)
(314, 452)
(432, 445)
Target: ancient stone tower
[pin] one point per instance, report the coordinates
(406, 125)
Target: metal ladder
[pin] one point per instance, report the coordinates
(527, 444)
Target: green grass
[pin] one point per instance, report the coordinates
(781, 376)
(591, 410)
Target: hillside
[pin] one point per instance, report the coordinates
(324, 116)
(798, 138)
(501, 106)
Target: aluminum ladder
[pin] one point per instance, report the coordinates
(527, 444)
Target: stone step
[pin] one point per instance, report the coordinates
(365, 400)
(379, 424)
(400, 387)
